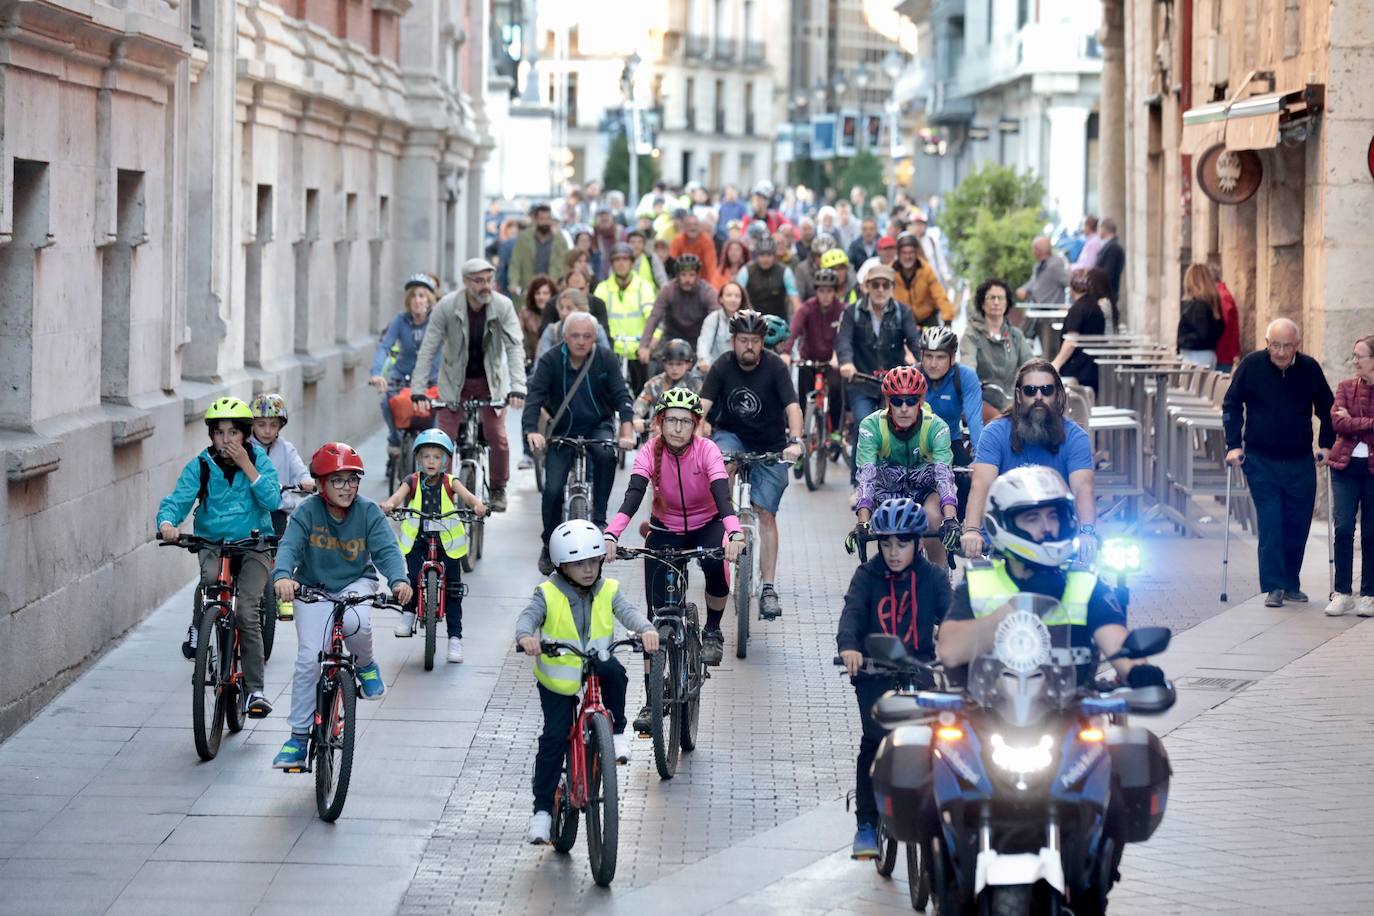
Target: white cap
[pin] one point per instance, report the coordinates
(476, 266)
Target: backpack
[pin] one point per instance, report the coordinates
(205, 474)
(414, 482)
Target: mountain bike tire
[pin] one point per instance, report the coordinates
(918, 878)
(578, 507)
(694, 679)
(888, 847)
(207, 689)
(743, 596)
(664, 712)
(235, 687)
(603, 802)
(467, 476)
(817, 446)
(564, 818)
(334, 749)
(431, 603)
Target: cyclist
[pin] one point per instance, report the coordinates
(904, 451)
(394, 360)
(678, 372)
(629, 298)
(581, 385)
(845, 288)
(917, 286)
(647, 264)
(337, 541)
(269, 417)
(575, 604)
(234, 487)
(483, 358)
(433, 489)
(955, 393)
(681, 307)
(815, 327)
(808, 262)
(758, 412)
(899, 593)
(770, 284)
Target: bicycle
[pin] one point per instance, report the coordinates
(474, 471)
(218, 694)
(577, 494)
(333, 733)
(820, 447)
(401, 466)
(589, 779)
(745, 581)
(431, 592)
(676, 672)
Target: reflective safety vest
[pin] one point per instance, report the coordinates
(645, 270)
(627, 310)
(453, 536)
(563, 674)
(990, 586)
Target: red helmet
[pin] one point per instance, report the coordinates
(904, 381)
(333, 457)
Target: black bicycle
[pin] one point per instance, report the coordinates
(745, 581)
(334, 731)
(472, 465)
(577, 494)
(677, 672)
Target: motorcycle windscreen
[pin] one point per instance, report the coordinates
(1023, 667)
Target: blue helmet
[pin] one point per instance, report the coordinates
(902, 517)
(434, 437)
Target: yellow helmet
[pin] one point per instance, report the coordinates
(833, 258)
(228, 409)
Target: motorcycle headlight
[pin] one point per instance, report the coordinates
(1022, 761)
(1120, 555)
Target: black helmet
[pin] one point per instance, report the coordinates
(622, 250)
(827, 277)
(689, 262)
(907, 238)
(678, 349)
(765, 245)
(748, 321)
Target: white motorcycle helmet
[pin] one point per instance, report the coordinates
(575, 540)
(1026, 488)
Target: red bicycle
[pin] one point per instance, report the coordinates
(431, 592)
(589, 780)
(822, 442)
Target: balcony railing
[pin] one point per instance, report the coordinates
(698, 46)
(754, 52)
(725, 49)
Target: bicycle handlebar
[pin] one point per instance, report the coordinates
(475, 404)
(811, 364)
(671, 554)
(554, 648)
(754, 458)
(194, 544)
(376, 599)
(579, 442)
(878, 667)
(406, 511)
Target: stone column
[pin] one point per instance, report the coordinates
(1067, 165)
(1112, 120)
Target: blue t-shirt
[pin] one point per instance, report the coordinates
(942, 396)
(1075, 454)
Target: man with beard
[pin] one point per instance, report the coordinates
(476, 327)
(682, 307)
(771, 286)
(1036, 433)
(538, 250)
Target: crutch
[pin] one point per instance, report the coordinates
(1226, 538)
(1330, 538)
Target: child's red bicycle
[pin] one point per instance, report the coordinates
(589, 781)
(431, 591)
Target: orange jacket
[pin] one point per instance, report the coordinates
(703, 248)
(924, 295)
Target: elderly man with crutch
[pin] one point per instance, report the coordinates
(1267, 415)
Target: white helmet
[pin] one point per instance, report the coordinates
(575, 540)
(1026, 488)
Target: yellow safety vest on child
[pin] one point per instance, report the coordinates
(453, 536)
(563, 674)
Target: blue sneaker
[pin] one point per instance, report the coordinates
(865, 843)
(370, 682)
(292, 753)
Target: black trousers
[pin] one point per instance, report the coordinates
(559, 713)
(1285, 492)
(453, 582)
(558, 461)
(711, 534)
(867, 690)
(1352, 492)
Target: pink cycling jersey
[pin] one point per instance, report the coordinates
(682, 500)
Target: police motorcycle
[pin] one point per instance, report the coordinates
(1022, 789)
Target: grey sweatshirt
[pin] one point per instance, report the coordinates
(532, 617)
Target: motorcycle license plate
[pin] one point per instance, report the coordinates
(432, 524)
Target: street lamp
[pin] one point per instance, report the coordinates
(841, 86)
(819, 92)
(627, 88)
(892, 65)
(862, 77)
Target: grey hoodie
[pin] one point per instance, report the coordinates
(532, 617)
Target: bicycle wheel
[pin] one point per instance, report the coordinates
(918, 878)
(817, 445)
(207, 691)
(578, 507)
(235, 689)
(267, 617)
(334, 744)
(431, 609)
(743, 586)
(887, 853)
(538, 459)
(693, 680)
(664, 711)
(564, 819)
(603, 802)
(467, 476)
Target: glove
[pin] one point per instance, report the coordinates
(950, 533)
(1145, 676)
(851, 540)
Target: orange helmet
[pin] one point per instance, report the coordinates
(904, 381)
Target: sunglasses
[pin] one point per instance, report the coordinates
(1031, 391)
(879, 284)
(903, 401)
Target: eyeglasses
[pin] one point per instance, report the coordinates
(348, 482)
(1280, 347)
(879, 284)
(679, 421)
(895, 401)
(1031, 391)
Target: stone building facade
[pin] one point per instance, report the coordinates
(199, 198)
(1286, 84)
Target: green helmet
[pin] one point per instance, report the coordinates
(777, 330)
(682, 398)
(228, 409)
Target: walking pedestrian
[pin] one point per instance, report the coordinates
(1352, 484)
(1267, 414)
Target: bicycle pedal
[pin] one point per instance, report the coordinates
(296, 770)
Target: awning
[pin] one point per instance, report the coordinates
(1248, 124)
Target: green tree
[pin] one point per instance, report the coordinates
(1000, 246)
(864, 170)
(990, 220)
(617, 174)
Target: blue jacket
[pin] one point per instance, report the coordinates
(407, 337)
(232, 510)
(944, 400)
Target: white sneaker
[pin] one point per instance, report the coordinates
(407, 625)
(455, 650)
(541, 822)
(622, 748)
(1366, 606)
(1339, 605)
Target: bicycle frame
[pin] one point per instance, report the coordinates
(589, 706)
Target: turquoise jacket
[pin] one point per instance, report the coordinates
(231, 510)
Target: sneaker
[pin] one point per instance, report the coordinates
(1366, 606)
(545, 564)
(286, 610)
(370, 682)
(455, 650)
(526, 462)
(406, 626)
(865, 843)
(1274, 598)
(292, 753)
(259, 707)
(712, 647)
(770, 607)
(1339, 605)
(1295, 594)
(541, 823)
(643, 722)
(188, 648)
(497, 502)
(622, 748)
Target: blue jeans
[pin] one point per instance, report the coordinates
(862, 402)
(766, 481)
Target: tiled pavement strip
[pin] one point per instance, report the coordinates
(103, 806)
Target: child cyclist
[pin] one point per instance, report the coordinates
(332, 542)
(269, 417)
(433, 489)
(678, 372)
(899, 593)
(235, 488)
(575, 604)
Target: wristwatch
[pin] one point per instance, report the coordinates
(794, 440)
(1089, 529)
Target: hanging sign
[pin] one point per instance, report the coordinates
(1229, 176)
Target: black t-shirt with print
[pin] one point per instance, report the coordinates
(752, 405)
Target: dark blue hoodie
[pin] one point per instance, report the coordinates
(880, 601)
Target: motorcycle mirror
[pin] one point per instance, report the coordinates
(884, 647)
(1144, 642)
(893, 709)
(1153, 699)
